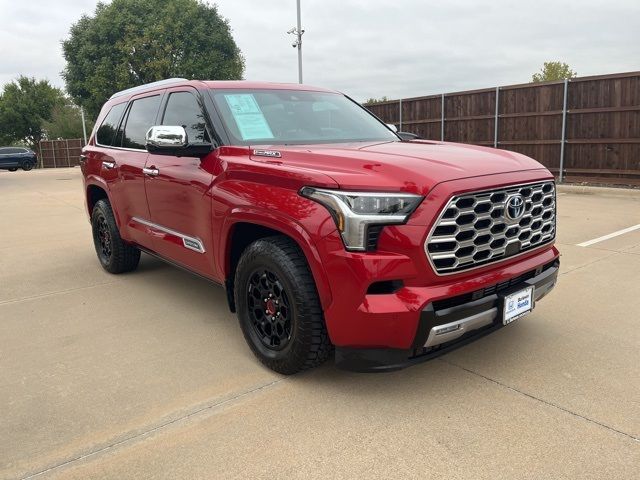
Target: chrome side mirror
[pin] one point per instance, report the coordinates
(164, 136)
(173, 140)
(392, 127)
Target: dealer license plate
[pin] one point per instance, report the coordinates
(517, 305)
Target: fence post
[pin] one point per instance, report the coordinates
(564, 128)
(442, 119)
(400, 115)
(53, 152)
(67, 145)
(495, 128)
(40, 154)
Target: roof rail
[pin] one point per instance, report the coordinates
(140, 88)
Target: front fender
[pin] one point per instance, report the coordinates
(305, 230)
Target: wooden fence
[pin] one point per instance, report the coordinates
(59, 153)
(583, 129)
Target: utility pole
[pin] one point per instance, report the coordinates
(298, 31)
(84, 127)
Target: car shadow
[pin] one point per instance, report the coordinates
(208, 302)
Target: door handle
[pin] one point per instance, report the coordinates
(109, 165)
(151, 172)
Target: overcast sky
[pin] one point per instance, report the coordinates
(372, 48)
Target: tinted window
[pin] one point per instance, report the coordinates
(296, 117)
(10, 151)
(107, 130)
(142, 116)
(183, 109)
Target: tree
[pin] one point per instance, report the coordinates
(373, 101)
(132, 42)
(25, 104)
(553, 71)
(66, 122)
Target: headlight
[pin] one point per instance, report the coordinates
(353, 212)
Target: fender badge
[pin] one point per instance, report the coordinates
(267, 153)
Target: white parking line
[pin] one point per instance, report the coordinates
(611, 235)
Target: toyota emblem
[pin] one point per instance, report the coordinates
(514, 207)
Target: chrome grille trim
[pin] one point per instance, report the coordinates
(472, 230)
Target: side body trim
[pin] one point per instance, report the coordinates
(191, 243)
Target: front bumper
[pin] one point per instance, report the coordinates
(450, 323)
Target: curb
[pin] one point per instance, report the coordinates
(627, 193)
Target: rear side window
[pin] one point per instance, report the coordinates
(142, 116)
(183, 109)
(107, 130)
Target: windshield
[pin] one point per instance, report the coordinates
(254, 117)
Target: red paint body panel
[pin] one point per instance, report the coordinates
(128, 191)
(266, 194)
(407, 166)
(125, 185)
(207, 199)
(179, 199)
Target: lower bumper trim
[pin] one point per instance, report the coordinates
(450, 331)
(446, 329)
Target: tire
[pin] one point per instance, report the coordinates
(287, 333)
(26, 166)
(13, 169)
(115, 255)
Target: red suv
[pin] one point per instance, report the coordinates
(326, 228)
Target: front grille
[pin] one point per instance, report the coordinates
(475, 229)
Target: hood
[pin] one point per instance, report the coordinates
(415, 166)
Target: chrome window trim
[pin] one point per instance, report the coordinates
(543, 245)
(196, 246)
(121, 148)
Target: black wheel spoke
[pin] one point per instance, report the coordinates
(104, 238)
(115, 255)
(269, 309)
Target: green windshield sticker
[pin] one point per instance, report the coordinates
(248, 116)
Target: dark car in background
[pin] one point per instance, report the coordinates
(12, 158)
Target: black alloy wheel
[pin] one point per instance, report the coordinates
(278, 306)
(103, 239)
(269, 309)
(115, 255)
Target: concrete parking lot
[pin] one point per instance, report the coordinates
(147, 375)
